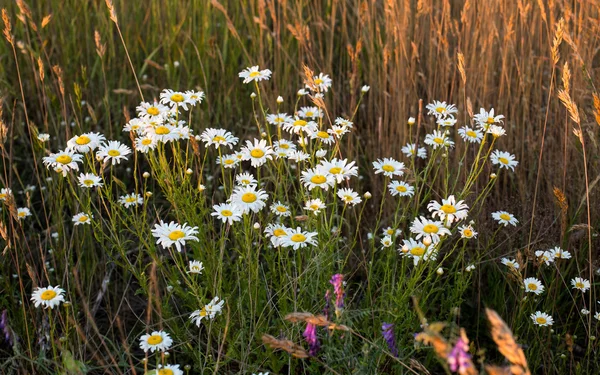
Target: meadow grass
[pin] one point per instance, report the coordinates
(274, 219)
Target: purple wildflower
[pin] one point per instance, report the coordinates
(310, 334)
(459, 358)
(4, 327)
(337, 281)
(327, 304)
(388, 334)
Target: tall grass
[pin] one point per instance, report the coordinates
(69, 67)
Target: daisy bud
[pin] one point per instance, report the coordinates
(444, 155)
(592, 338)
(62, 339)
(411, 121)
(166, 354)
(201, 188)
(440, 271)
(563, 356)
(187, 367)
(256, 226)
(365, 88)
(279, 99)
(146, 175)
(189, 171)
(253, 95)
(404, 249)
(169, 288)
(175, 64)
(148, 194)
(367, 195)
(263, 134)
(427, 241)
(493, 175)
(302, 92)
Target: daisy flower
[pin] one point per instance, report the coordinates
(167, 370)
(321, 153)
(298, 156)
(309, 112)
(157, 340)
(510, 263)
(248, 198)
(441, 109)
(5, 193)
(533, 285)
(257, 152)
(296, 238)
(43, 137)
(51, 296)
(340, 121)
(317, 178)
(196, 267)
(389, 231)
(113, 151)
(162, 133)
(340, 169)
(542, 319)
(338, 131)
(496, 131)
(136, 125)
(386, 241)
(580, 284)
(228, 161)
(210, 311)
(297, 126)
(174, 233)
(276, 232)
(389, 167)
(559, 253)
(254, 74)
(280, 209)
(449, 210)
(323, 136)
(505, 218)
(485, 118)
(145, 144)
(322, 82)
(131, 200)
(438, 139)
(195, 97)
(283, 144)
(82, 218)
(597, 315)
(504, 159)
(175, 99)
(63, 161)
(349, 196)
(417, 250)
(152, 111)
(85, 142)
(410, 149)
(428, 229)
(314, 205)
(448, 121)
(470, 135)
(467, 231)
(23, 212)
(545, 257)
(218, 137)
(278, 119)
(244, 179)
(227, 212)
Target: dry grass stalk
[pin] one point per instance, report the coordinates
(7, 27)
(506, 343)
(112, 11)
(286, 345)
(317, 320)
(561, 200)
(558, 37)
(461, 67)
(100, 48)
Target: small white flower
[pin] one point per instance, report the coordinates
(196, 267)
(50, 296)
(255, 74)
(157, 340)
(82, 218)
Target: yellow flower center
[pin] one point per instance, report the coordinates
(64, 159)
(226, 213)
(177, 98)
(3, 196)
(254, 74)
(248, 197)
(322, 134)
(229, 161)
(314, 207)
(438, 140)
(490, 120)
(505, 217)
(448, 209)
(440, 109)
(165, 371)
(417, 251)
(146, 141)
(471, 134)
(335, 170)
(88, 182)
(300, 123)
(532, 286)
(318, 179)
(579, 285)
(130, 199)
(176, 235)
(298, 237)
(245, 182)
(21, 214)
(155, 339)
(318, 81)
(284, 146)
(153, 111)
(82, 140)
(541, 320)
(503, 160)
(430, 228)
(401, 188)
(162, 130)
(113, 153)
(279, 232)
(281, 209)
(389, 231)
(83, 219)
(48, 295)
(309, 114)
(468, 233)
(257, 153)
(218, 138)
(388, 168)
(348, 198)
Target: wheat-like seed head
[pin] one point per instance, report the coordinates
(506, 343)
